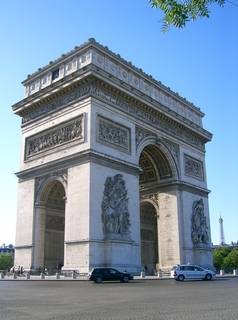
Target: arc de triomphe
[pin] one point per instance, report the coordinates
(112, 168)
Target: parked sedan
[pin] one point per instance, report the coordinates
(182, 272)
(109, 274)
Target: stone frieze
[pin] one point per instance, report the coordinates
(113, 134)
(67, 132)
(125, 103)
(193, 167)
(57, 103)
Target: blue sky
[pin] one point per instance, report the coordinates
(200, 62)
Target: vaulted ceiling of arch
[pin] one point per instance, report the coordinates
(56, 196)
(154, 165)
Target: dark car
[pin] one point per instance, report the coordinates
(109, 274)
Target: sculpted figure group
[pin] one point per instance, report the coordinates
(199, 224)
(115, 215)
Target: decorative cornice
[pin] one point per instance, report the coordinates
(93, 87)
(77, 159)
(153, 113)
(93, 44)
(177, 185)
(24, 246)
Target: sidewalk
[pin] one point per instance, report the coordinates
(85, 278)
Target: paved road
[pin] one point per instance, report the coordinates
(158, 299)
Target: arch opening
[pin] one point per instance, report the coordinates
(155, 169)
(54, 225)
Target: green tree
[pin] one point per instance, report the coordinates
(231, 260)
(219, 256)
(218, 259)
(178, 13)
(6, 261)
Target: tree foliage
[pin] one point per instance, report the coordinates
(231, 260)
(6, 261)
(178, 13)
(225, 258)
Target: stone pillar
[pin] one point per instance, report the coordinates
(114, 248)
(77, 207)
(39, 236)
(25, 224)
(169, 232)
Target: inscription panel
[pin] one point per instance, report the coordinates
(113, 134)
(54, 137)
(193, 167)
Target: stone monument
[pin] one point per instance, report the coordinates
(112, 169)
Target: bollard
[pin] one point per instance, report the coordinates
(28, 276)
(57, 275)
(2, 275)
(14, 275)
(235, 272)
(74, 276)
(159, 274)
(222, 272)
(42, 276)
(142, 274)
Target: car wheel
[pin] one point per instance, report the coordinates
(180, 277)
(208, 276)
(98, 280)
(125, 279)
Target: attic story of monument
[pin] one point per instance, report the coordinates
(112, 169)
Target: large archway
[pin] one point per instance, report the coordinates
(155, 170)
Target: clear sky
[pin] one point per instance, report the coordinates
(200, 62)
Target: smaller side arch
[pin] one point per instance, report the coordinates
(149, 236)
(152, 202)
(45, 183)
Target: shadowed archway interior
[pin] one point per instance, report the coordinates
(149, 238)
(154, 165)
(155, 169)
(54, 225)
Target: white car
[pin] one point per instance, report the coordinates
(189, 271)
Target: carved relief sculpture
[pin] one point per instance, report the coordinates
(115, 214)
(141, 134)
(199, 232)
(193, 167)
(56, 136)
(113, 134)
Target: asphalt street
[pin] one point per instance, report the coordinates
(147, 299)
